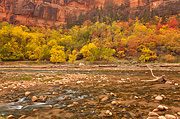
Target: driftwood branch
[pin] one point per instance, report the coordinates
(161, 78)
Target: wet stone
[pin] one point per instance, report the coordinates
(135, 97)
(104, 99)
(10, 117)
(159, 98)
(113, 94)
(164, 97)
(161, 117)
(22, 117)
(166, 108)
(114, 102)
(124, 110)
(168, 116)
(155, 110)
(71, 105)
(42, 98)
(152, 118)
(108, 113)
(65, 98)
(27, 94)
(79, 82)
(176, 84)
(34, 110)
(161, 108)
(153, 114)
(74, 104)
(34, 99)
(55, 93)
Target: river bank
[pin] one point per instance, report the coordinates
(23, 65)
(88, 91)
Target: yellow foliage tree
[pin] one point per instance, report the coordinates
(57, 54)
(86, 50)
(11, 51)
(121, 54)
(148, 55)
(73, 56)
(36, 47)
(108, 54)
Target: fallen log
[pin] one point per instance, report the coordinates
(161, 78)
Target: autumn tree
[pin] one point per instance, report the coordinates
(73, 56)
(148, 55)
(57, 54)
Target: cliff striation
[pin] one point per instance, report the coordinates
(56, 12)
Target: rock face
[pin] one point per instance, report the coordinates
(41, 12)
(56, 12)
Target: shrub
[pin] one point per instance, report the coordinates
(169, 58)
(73, 56)
(148, 55)
(121, 54)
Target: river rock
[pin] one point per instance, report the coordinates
(161, 117)
(34, 99)
(55, 93)
(34, 110)
(155, 110)
(71, 105)
(118, 103)
(66, 98)
(124, 110)
(168, 116)
(79, 82)
(75, 103)
(104, 99)
(164, 97)
(166, 108)
(176, 84)
(152, 118)
(161, 108)
(159, 98)
(178, 113)
(27, 94)
(22, 117)
(109, 113)
(114, 102)
(42, 98)
(153, 114)
(113, 94)
(135, 97)
(10, 117)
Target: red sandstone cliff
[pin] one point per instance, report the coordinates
(56, 12)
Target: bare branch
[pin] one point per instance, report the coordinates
(151, 71)
(161, 78)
